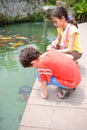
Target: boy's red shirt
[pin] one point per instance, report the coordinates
(62, 67)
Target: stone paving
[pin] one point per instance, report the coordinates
(55, 113)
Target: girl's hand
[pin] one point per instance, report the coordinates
(54, 44)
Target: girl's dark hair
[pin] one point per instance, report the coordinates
(61, 11)
(72, 21)
(27, 55)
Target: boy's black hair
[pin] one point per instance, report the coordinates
(27, 55)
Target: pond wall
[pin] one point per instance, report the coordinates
(17, 10)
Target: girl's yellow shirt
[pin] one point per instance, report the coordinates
(72, 29)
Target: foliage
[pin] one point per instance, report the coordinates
(53, 2)
(71, 2)
(80, 8)
(37, 16)
(3, 19)
(80, 11)
(49, 2)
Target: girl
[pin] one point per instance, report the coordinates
(67, 40)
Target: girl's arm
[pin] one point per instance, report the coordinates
(70, 44)
(54, 44)
(44, 93)
(57, 40)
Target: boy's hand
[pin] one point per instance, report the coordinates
(44, 93)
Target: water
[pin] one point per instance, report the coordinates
(15, 81)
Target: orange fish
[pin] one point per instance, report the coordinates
(2, 44)
(6, 39)
(20, 37)
(18, 44)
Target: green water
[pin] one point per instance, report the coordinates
(14, 79)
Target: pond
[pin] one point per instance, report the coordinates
(16, 82)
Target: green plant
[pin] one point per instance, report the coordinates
(80, 10)
(71, 2)
(53, 2)
(3, 19)
(37, 16)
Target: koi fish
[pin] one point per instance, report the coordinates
(2, 44)
(6, 39)
(18, 44)
(24, 91)
(20, 37)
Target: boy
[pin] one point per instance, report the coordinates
(54, 67)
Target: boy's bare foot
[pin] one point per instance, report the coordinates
(63, 93)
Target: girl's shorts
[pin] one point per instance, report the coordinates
(75, 54)
(53, 81)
